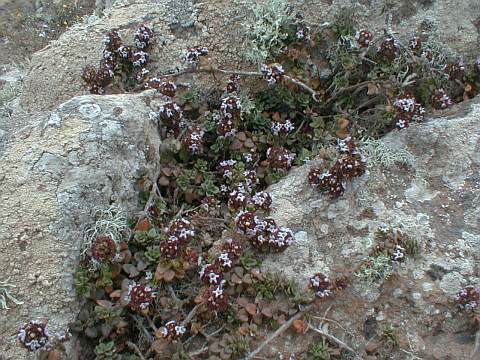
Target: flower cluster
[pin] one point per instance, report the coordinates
(139, 296)
(226, 168)
(408, 109)
(320, 283)
(97, 79)
(281, 238)
(390, 243)
(119, 57)
(226, 127)
(233, 84)
(416, 45)
(324, 287)
(280, 158)
(262, 200)
(264, 232)
(282, 127)
(229, 255)
(181, 230)
(171, 115)
(167, 88)
(210, 204)
(231, 106)
(178, 234)
(124, 52)
(215, 298)
(34, 336)
(334, 185)
(303, 34)
(192, 57)
(250, 179)
(454, 70)
(211, 274)
(246, 222)
(140, 59)
(142, 37)
(172, 330)
(170, 249)
(238, 198)
(192, 140)
(477, 64)
(389, 49)
(440, 100)
(468, 298)
(104, 249)
(273, 73)
(349, 164)
(364, 38)
(112, 40)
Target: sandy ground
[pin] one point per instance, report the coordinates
(28, 25)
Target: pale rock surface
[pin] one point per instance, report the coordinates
(87, 153)
(436, 201)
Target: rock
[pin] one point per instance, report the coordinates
(217, 25)
(446, 223)
(87, 153)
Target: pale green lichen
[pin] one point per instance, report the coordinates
(441, 53)
(376, 268)
(248, 105)
(5, 295)
(265, 30)
(380, 153)
(109, 221)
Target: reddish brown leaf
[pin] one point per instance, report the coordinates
(169, 275)
(251, 309)
(299, 326)
(143, 225)
(243, 302)
(266, 311)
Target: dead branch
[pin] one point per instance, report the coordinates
(279, 331)
(333, 338)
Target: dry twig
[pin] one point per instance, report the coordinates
(277, 332)
(332, 338)
(136, 349)
(213, 70)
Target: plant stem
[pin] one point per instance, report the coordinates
(136, 349)
(332, 338)
(213, 70)
(279, 331)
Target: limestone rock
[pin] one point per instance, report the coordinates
(434, 200)
(87, 153)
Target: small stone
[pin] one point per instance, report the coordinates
(427, 286)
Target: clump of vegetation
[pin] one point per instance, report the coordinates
(183, 280)
(123, 67)
(391, 248)
(6, 295)
(468, 298)
(323, 350)
(271, 29)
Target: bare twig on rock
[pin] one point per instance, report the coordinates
(213, 70)
(332, 338)
(190, 316)
(279, 331)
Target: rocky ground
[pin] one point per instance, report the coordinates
(62, 153)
